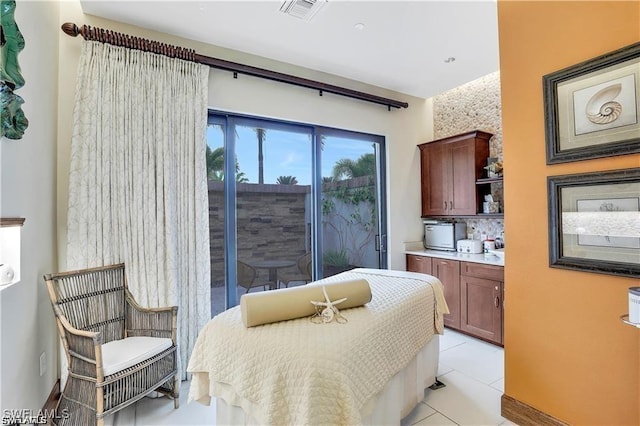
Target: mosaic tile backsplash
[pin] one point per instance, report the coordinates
(492, 228)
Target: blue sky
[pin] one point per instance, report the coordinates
(286, 153)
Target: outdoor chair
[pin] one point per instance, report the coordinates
(247, 277)
(303, 274)
(117, 352)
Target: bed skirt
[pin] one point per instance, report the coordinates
(399, 397)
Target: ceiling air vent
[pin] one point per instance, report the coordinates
(303, 9)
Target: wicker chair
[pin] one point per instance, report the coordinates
(247, 276)
(303, 273)
(117, 351)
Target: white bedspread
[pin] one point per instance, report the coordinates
(298, 372)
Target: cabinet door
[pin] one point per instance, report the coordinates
(434, 166)
(448, 272)
(481, 308)
(419, 264)
(450, 168)
(461, 179)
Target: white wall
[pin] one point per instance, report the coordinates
(34, 172)
(403, 129)
(27, 189)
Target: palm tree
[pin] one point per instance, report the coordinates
(215, 162)
(347, 168)
(287, 180)
(215, 166)
(261, 134)
(240, 176)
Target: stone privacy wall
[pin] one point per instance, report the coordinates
(274, 223)
(349, 221)
(474, 106)
(272, 220)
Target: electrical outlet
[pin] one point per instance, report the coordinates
(43, 363)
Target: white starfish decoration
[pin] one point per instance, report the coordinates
(330, 311)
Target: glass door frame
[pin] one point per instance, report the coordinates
(228, 121)
(381, 184)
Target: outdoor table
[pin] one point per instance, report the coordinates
(273, 266)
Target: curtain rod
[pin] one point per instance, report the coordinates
(132, 42)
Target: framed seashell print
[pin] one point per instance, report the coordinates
(592, 109)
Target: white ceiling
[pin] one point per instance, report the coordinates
(402, 47)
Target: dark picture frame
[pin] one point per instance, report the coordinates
(594, 222)
(592, 109)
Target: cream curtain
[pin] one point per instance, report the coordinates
(137, 184)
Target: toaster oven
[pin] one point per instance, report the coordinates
(439, 235)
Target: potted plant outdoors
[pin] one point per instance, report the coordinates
(334, 262)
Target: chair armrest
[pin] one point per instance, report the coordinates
(82, 348)
(154, 322)
(95, 337)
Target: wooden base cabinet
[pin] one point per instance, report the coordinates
(448, 272)
(474, 293)
(481, 301)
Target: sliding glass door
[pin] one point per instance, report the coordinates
(351, 199)
(303, 203)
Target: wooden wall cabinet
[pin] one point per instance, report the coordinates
(474, 293)
(450, 168)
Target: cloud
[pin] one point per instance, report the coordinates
(290, 158)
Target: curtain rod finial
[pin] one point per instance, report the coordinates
(70, 29)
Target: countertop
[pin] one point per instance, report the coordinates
(486, 258)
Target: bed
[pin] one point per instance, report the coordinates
(371, 370)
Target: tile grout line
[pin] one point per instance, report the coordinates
(451, 347)
(474, 379)
(438, 412)
(493, 383)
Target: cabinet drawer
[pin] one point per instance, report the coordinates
(417, 263)
(481, 270)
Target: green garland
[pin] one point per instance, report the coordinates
(361, 199)
(12, 119)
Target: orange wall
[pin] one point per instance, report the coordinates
(566, 351)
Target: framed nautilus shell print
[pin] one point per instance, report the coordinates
(592, 109)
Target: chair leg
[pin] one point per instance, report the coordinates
(176, 392)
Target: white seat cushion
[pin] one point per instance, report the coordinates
(120, 354)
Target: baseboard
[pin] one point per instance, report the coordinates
(52, 400)
(525, 415)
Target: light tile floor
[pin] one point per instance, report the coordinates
(472, 370)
